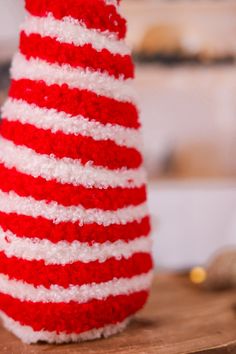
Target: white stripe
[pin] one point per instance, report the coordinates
(63, 252)
(28, 335)
(43, 118)
(67, 170)
(72, 31)
(111, 2)
(95, 81)
(13, 203)
(80, 294)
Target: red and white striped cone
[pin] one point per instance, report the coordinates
(75, 259)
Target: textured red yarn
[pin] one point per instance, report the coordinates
(52, 51)
(67, 194)
(93, 13)
(79, 103)
(73, 317)
(100, 153)
(27, 226)
(76, 102)
(77, 273)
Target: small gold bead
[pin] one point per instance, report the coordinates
(198, 275)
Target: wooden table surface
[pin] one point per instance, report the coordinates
(179, 318)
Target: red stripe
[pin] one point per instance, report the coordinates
(76, 102)
(73, 317)
(95, 14)
(85, 149)
(67, 194)
(52, 51)
(27, 226)
(77, 273)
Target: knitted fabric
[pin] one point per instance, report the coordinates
(75, 260)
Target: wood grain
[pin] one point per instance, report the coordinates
(179, 319)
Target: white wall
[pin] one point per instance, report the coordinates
(11, 15)
(191, 221)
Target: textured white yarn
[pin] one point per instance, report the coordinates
(13, 203)
(67, 170)
(43, 118)
(72, 31)
(111, 2)
(95, 81)
(80, 294)
(28, 335)
(65, 252)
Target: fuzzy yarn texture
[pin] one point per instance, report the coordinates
(75, 250)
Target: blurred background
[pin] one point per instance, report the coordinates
(185, 52)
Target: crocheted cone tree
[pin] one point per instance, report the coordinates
(75, 258)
